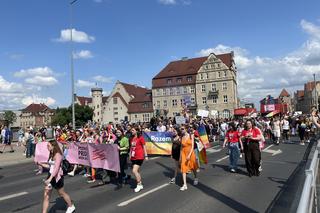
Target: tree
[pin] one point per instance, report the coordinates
(10, 116)
(63, 116)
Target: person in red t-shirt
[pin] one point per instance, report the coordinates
(138, 153)
(251, 137)
(233, 139)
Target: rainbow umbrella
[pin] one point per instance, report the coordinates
(273, 113)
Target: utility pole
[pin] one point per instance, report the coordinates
(72, 67)
(315, 91)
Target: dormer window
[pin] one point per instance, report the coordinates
(169, 81)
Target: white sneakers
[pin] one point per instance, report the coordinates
(71, 209)
(138, 188)
(183, 188)
(71, 174)
(172, 181)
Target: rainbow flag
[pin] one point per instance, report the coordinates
(204, 136)
(205, 141)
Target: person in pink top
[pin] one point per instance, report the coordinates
(55, 177)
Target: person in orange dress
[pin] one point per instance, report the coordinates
(188, 160)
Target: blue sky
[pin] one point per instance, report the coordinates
(132, 40)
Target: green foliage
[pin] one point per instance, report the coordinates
(10, 116)
(63, 116)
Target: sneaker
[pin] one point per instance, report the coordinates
(233, 170)
(86, 175)
(138, 188)
(71, 209)
(11, 151)
(302, 144)
(1, 152)
(39, 172)
(183, 188)
(260, 168)
(173, 180)
(91, 181)
(196, 181)
(240, 155)
(198, 170)
(71, 174)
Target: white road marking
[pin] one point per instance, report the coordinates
(142, 195)
(273, 152)
(221, 159)
(12, 196)
(213, 150)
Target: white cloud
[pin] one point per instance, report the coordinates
(37, 100)
(83, 54)
(167, 2)
(39, 71)
(259, 76)
(100, 78)
(77, 36)
(16, 56)
(42, 80)
(82, 83)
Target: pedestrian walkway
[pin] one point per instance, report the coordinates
(17, 157)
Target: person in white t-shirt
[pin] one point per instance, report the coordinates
(285, 129)
(161, 127)
(276, 130)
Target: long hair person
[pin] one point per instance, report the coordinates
(55, 177)
(138, 153)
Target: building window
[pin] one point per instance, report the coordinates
(201, 76)
(207, 67)
(181, 102)
(158, 104)
(214, 87)
(174, 102)
(158, 92)
(169, 81)
(135, 116)
(224, 86)
(185, 90)
(115, 113)
(193, 101)
(219, 74)
(115, 100)
(98, 106)
(179, 80)
(204, 100)
(98, 113)
(164, 91)
(165, 103)
(189, 78)
(207, 75)
(214, 99)
(225, 99)
(203, 88)
(171, 91)
(192, 90)
(226, 113)
(115, 108)
(146, 117)
(225, 73)
(145, 105)
(178, 90)
(116, 119)
(218, 65)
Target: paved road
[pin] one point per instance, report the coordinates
(218, 190)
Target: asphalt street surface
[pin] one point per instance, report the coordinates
(218, 190)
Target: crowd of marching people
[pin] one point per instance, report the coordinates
(242, 137)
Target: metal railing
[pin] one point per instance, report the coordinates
(308, 199)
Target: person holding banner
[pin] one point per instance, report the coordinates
(188, 161)
(175, 153)
(55, 177)
(138, 153)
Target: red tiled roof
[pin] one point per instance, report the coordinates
(184, 68)
(138, 107)
(83, 100)
(284, 93)
(36, 108)
(309, 86)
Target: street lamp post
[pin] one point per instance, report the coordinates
(72, 67)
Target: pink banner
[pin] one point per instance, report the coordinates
(105, 156)
(41, 153)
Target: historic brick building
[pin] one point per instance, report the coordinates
(208, 83)
(36, 115)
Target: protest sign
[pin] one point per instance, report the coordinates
(203, 113)
(41, 153)
(180, 120)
